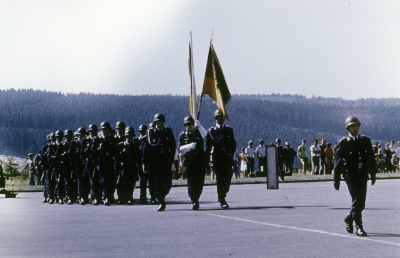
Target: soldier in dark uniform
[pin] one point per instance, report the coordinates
(69, 166)
(144, 175)
(193, 160)
(280, 159)
(221, 137)
(162, 145)
(93, 143)
(44, 164)
(57, 156)
(355, 157)
(119, 137)
(50, 174)
(131, 160)
(106, 152)
(81, 174)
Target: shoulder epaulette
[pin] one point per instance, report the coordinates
(344, 138)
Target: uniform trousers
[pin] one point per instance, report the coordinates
(126, 182)
(69, 182)
(358, 192)
(60, 183)
(223, 172)
(160, 167)
(195, 180)
(80, 177)
(144, 177)
(94, 179)
(49, 184)
(105, 168)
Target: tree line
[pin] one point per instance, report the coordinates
(27, 116)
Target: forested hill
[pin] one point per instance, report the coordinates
(27, 116)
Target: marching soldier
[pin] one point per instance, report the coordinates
(221, 139)
(69, 166)
(356, 157)
(162, 146)
(193, 160)
(119, 137)
(144, 174)
(81, 174)
(106, 152)
(51, 179)
(44, 163)
(93, 142)
(131, 160)
(57, 157)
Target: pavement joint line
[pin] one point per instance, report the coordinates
(305, 229)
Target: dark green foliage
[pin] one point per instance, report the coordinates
(27, 116)
(11, 168)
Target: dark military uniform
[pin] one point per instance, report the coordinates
(105, 153)
(193, 163)
(131, 160)
(356, 158)
(224, 143)
(57, 155)
(81, 174)
(162, 146)
(50, 171)
(92, 170)
(44, 166)
(144, 174)
(69, 171)
(119, 138)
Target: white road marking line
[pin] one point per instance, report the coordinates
(305, 229)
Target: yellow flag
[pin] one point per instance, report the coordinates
(214, 82)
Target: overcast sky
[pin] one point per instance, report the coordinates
(348, 49)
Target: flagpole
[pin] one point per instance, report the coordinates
(193, 82)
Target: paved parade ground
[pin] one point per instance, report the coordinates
(298, 220)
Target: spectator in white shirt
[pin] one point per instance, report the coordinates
(315, 155)
(250, 154)
(261, 153)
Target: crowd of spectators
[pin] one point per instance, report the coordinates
(320, 162)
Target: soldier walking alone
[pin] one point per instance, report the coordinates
(355, 157)
(222, 139)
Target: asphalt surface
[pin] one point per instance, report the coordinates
(298, 220)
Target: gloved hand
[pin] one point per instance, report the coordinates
(192, 145)
(373, 179)
(197, 123)
(336, 185)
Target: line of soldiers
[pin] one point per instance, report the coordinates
(87, 166)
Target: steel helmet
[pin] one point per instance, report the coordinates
(68, 132)
(81, 130)
(129, 131)
(218, 112)
(142, 128)
(120, 124)
(351, 120)
(188, 120)
(59, 133)
(93, 127)
(159, 117)
(104, 125)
